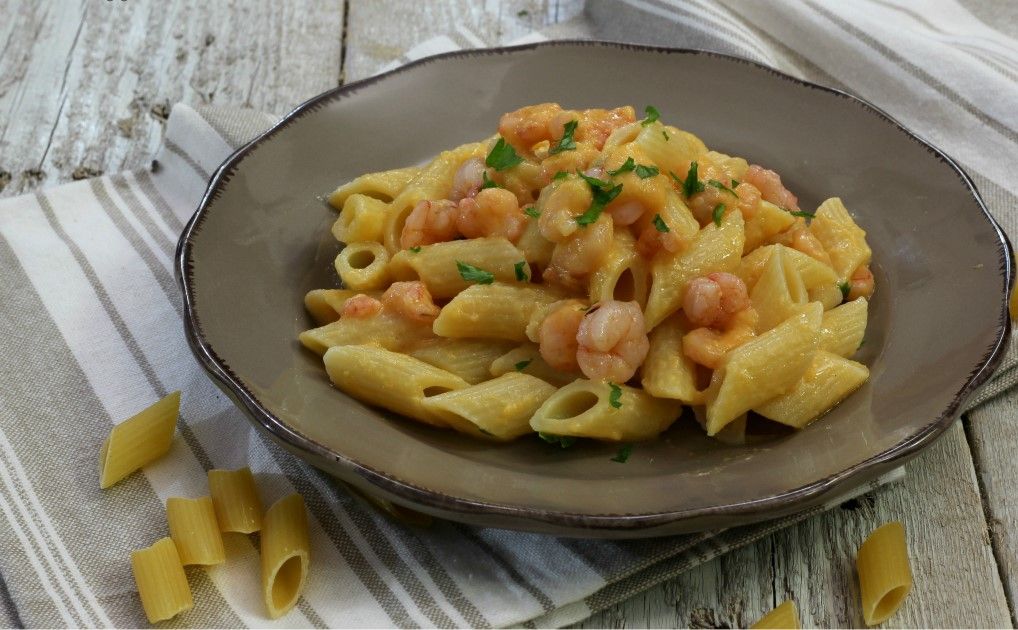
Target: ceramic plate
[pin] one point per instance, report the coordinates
(261, 239)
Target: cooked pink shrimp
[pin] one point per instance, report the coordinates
(628, 212)
(799, 237)
(769, 184)
(529, 125)
(361, 306)
(861, 283)
(712, 299)
(468, 179)
(612, 341)
(493, 212)
(708, 346)
(652, 241)
(430, 222)
(580, 254)
(411, 300)
(557, 335)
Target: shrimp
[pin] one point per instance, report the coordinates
(559, 205)
(745, 197)
(361, 306)
(557, 334)
(799, 237)
(430, 222)
(546, 122)
(769, 184)
(468, 179)
(612, 341)
(708, 346)
(711, 300)
(580, 254)
(410, 300)
(493, 212)
(529, 125)
(598, 124)
(861, 283)
(627, 212)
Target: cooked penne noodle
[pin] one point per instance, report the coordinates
(885, 574)
(843, 328)
(733, 434)
(235, 499)
(624, 275)
(784, 615)
(492, 311)
(604, 411)
(161, 581)
(384, 186)
(667, 371)
(768, 221)
(286, 554)
(670, 148)
(326, 305)
(391, 380)
(828, 380)
(829, 295)
(779, 293)
(386, 330)
(814, 273)
(499, 409)
(139, 440)
(195, 530)
(469, 359)
(363, 266)
(436, 265)
(360, 220)
(844, 241)
(535, 248)
(528, 360)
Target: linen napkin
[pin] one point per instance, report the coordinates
(86, 274)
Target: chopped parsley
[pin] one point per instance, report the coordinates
(845, 288)
(502, 156)
(560, 175)
(627, 166)
(691, 185)
(652, 115)
(623, 455)
(603, 192)
(522, 365)
(615, 397)
(806, 214)
(716, 184)
(665, 134)
(735, 183)
(566, 142)
(643, 172)
(488, 183)
(471, 273)
(563, 441)
(531, 211)
(659, 224)
(521, 275)
(416, 250)
(719, 212)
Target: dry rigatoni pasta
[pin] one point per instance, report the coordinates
(885, 573)
(235, 499)
(162, 584)
(784, 615)
(139, 440)
(195, 530)
(286, 554)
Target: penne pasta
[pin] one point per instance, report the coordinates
(784, 615)
(670, 148)
(604, 411)
(768, 221)
(624, 275)
(492, 311)
(391, 380)
(814, 273)
(844, 241)
(286, 554)
(536, 249)
(667, 371)
(139, 440)
(162, 584)
(843, 328)
(385, 329)
(235, 499)
(499, 409)
(528, 360)
(469, 359)
(436, 265)
(779, 293)
(361, 220)
(384, 186)
(195, 530)
(326, 305)
(828, 380)
(363, 266)
(885, 574)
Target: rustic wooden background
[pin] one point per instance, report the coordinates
(86, 86)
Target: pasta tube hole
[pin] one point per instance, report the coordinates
(889, 603)
(625, 287)
(286, 583)
(573, 405)
(435, 390)
(361, 259)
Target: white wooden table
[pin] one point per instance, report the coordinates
(85, 88)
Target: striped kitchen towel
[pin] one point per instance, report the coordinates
(90, 327)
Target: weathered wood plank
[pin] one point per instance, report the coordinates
(86, 87)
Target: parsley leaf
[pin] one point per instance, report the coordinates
(520, 274)
(502, 156)
(603, 192)
(691, 185)
(566, 142)
(643, 172)
(560, 175)
(719, 212)
(623, 455)
(659, 224)
(531, 211)
(800, 213)
(845, 288)
(627, 166)
(594, 182)
(716, 184)
(522, 365)
(665, 134)
(416, 249)
(471, 273)
(652, 115)
(735, 183)
(488, 183)
(615, 397)
(564, 441)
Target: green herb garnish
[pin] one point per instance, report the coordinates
(520, 274)
(623, 455)
(800, 213)
(416, 250)
(531, 211)
(719, 212)
(691, 185)
(735, 183)
(665, 134)
(566, 142)
(615, 397)
(651, 115)
(563, 441)
(522, 365)
(502, 156)
(560, 175)
(643, 172)
(659, 224)
(627, 166)
(603, 193)
(845, 288)
(487, 182)
(471, 273)
(716, 184)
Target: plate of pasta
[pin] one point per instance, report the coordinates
(622, 309)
